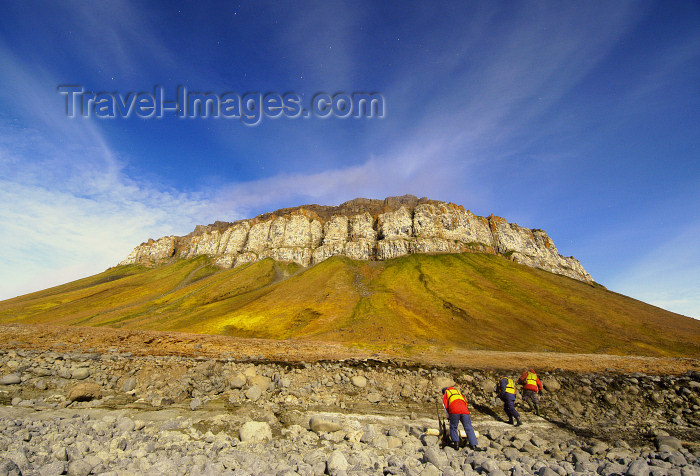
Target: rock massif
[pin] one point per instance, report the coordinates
(361, 229)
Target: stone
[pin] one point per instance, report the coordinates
(638, 467)
(551, 384)
(79, 467)
(195, 404)
(610, 398)
(668, 443)
(441, 382)
(125, 425)
(547, 471)
(491, 467)
(253, 393)
(129, 385)
(394, 442)
(81, 373)
(359, 381)
(319, 423)
(9, 468)
(336, 463)
(51, 469)
(84, 392)
(237, 381)
(260, 381)
(10, 379)
(60, 453)
(677, 459)
(374, 397)
(433, 455)
(430, 470)
(255, 432)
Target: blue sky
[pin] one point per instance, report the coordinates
(580, 118)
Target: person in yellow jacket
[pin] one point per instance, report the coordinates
(457, 410)
(506, 392)
(531, 387)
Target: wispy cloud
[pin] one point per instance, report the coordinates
(69, 207)
(477, 90)
(667, 276)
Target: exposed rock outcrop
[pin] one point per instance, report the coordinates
(184, 416)
(361, 229)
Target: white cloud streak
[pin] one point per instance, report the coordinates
(667, 276)
(71, 210)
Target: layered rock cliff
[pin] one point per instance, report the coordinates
(361, 229)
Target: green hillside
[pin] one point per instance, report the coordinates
(469, 301)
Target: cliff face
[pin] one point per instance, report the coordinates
(362, 229)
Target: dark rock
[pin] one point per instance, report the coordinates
(638, 467)
(129, 385)
(9, 468)
(668, 443)
(435, 456)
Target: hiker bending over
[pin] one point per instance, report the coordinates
(456, 407)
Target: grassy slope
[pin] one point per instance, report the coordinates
(471, 301)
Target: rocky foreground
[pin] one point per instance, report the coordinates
(117, 413)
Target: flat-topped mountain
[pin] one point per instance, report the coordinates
(361, 229)
(403, 273)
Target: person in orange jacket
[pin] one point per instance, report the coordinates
(531, 387)
(457, 410)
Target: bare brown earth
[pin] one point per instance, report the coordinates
(138, 342)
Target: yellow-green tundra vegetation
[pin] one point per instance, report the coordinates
(467, 301)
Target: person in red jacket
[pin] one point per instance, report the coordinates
(531, 387)
(456, 407)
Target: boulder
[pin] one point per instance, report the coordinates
(9, 468)
(255, 432)
(319, 423)
(84, 392)
(259, 381)
(668, 443)
(374, 397)
(81, 373)
(129, 385)
(253, 393)
(237, 381)
(10, 379)
(359, 381)
(551, 384)
(638, 467)
(195, 404)
(611, 398)
(51, 469)
(433, 455)
(79, 467)
(336, 463)
(441, 382)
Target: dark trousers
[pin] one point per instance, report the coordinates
(466, 420)
(530, 396)
(509, 407)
